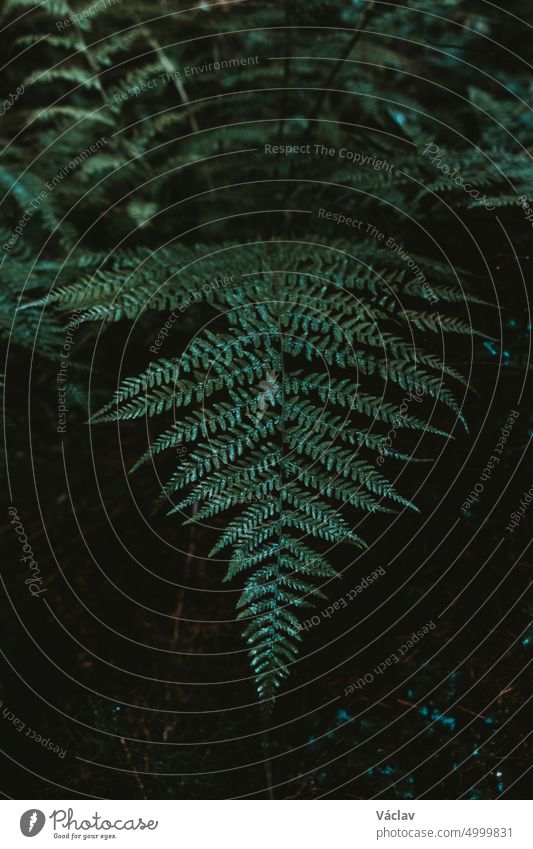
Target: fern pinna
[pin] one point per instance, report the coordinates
(286, 411)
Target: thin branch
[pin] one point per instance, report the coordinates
(367, 15)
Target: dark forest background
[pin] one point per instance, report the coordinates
(132, 660)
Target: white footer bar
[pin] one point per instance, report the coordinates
(253, 825)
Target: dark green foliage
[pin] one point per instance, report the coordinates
(285, 429)
(287, 395)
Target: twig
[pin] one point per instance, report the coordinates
(188, 561)
(367, 14)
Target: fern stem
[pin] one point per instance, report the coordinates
(278, 295)
(286, 71)
(267, 762)
(366, 16)
(170, 68)
(85, 50)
